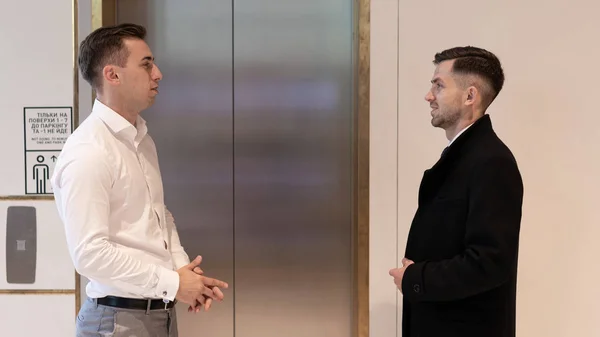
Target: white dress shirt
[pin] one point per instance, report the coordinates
(109, 194)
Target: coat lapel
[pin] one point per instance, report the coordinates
(434, 177)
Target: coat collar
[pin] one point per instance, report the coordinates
(481, 126)
(434, 177)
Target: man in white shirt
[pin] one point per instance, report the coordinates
(109, 194)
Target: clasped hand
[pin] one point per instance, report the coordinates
(196, 289)
(398, 273)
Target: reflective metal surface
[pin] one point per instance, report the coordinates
(293, 137)
(191, 124)
(254, 131)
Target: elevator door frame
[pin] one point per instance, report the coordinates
(104, 14)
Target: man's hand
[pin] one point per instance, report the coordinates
(398, 273)
(206, 301)
(195, 288)
(199, 304)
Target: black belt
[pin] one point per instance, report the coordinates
(132, 303)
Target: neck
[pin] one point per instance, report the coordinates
(119, 107)
(452, 131)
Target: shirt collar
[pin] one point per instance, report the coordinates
(119, 125)
(460, 133)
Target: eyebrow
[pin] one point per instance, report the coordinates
(148, 58)
(436, 80)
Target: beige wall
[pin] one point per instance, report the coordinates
(383, 183)
(546, 114)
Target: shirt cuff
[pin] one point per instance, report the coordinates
(168, 284)
(180, 260)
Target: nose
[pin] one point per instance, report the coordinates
(156, 74)
(429, 97)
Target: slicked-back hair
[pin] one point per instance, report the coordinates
(478, 62)
(105, 46)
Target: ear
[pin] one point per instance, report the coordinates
(110, 75)
(472, 94)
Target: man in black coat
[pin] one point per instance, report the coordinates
(459, 274)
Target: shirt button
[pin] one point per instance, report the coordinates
(164, 293)
(416, 288)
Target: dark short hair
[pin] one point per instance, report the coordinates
(475, 61)
(105, 46)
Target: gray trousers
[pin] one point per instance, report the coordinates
(98, 320)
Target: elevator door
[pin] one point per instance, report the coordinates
(253, 126)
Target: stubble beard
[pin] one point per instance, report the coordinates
(445, 119)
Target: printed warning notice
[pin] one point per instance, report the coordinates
(47, 128)
(46, 131)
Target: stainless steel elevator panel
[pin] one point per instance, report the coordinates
(254, 131)
(191, 123)
(293, 160)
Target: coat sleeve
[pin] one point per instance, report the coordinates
(491, 240)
